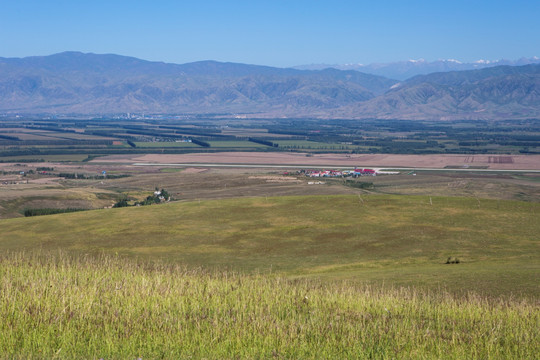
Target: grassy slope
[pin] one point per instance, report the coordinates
(401, 240)
(109, 307)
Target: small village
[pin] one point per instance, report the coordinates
(339, 173)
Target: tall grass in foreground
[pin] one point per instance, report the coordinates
(57, 306)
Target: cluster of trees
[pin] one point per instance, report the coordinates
(263, 142)
(48, 211)
(7, 137)
(21, 160)
(56, 142)
(157, 197)
(200, 143)
(382, 136)
(359, 184)
(51, 127)
(91, 177)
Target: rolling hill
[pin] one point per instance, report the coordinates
(398, 240)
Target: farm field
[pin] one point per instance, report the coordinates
(235, 144)
(305, 145)
(44, 157)
(20, 137)
(164, 144)
(495, 162)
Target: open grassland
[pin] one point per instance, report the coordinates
(492, 186)
(58, 306)
(398, 240)
(160, 144)
(14, 199)
(235, 144)
(32, 134)
(44, 157)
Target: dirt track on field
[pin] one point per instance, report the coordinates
(502, 162)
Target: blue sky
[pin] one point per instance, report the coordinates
(274, 32)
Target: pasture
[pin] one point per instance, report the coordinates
(374, 239)
(165, 144)
(59, 306)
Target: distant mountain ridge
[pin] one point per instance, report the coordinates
(402, 70)
(74, 82)
(502, 92)
(78, 83)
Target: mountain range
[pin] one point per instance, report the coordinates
(79, 83)
(402, 70)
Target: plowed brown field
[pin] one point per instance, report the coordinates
(507, 162)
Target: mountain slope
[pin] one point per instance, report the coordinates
(77, 83)
(87, 83)
(491, 93)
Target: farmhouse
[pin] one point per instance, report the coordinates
(336, 173)
(364, 172)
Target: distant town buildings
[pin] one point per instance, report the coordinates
(339, 173)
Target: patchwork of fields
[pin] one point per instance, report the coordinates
(38, 138)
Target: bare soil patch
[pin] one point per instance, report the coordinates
(194, 170)
(514, 162)
(276, 179)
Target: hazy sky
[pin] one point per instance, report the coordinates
(274, 32)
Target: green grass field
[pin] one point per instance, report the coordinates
(310, 277)
(58, 306)
(305, 144)
(235, 144)
(167, 144)
(51, 158)
(398, 240)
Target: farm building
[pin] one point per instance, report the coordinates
(336, 173)
(364, 172)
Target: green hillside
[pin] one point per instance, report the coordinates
(395, 240)
(108, 307)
